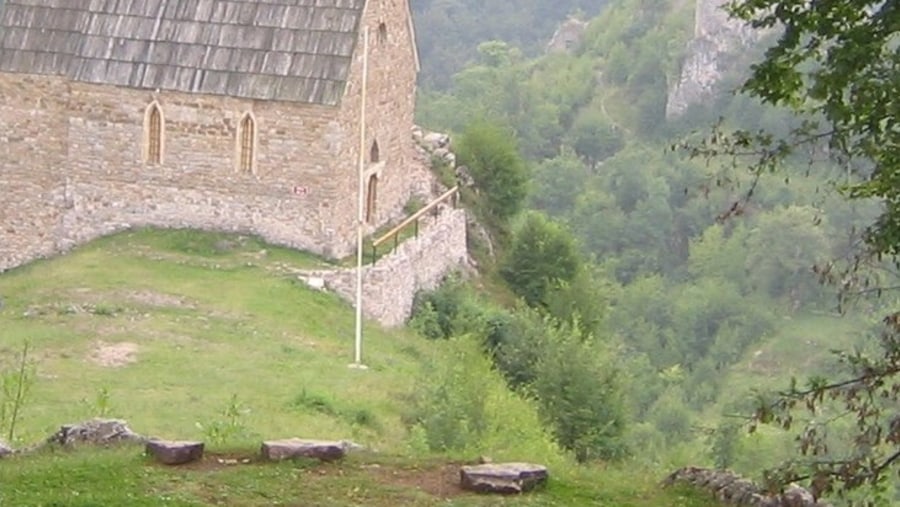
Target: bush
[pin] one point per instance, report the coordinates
(514, 344)
(542, 255)
(464, 407)
(493, 159)
(449, 310)
(580, 396)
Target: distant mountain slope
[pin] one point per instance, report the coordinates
(448, 31)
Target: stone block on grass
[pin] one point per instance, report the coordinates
(323, 450)
(174, 453)
(503, 478)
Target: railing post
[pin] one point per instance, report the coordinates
(417, 227)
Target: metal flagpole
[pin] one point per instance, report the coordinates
(357, 361)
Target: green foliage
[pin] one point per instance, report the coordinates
(462, 405)
(671, 415)
(229, 426)
(594, 137)
(578, 391)
(835, 66)
(101, 405)
(724, 445)
(541, 256)
(492, 157)
(315, 402)
(449, 310)
(450, 31)
(557, 182)
(782, 250)
(16, 380)
(571, 377)
(451, 406)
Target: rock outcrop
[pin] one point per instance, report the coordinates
(568, 36)
(502, 478)
(433, 146)
(716, 36)
(96, 432)
(731, 489)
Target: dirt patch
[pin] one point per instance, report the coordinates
(219, 461)
(441, 481)
(157, 299)
(113, 355)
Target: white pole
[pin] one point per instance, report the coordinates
(357, 361)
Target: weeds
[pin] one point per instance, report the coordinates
(100, 406)
(16, 384)
(230, 426)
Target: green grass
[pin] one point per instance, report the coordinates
(206, 320)
(124, 477)
(802, 346)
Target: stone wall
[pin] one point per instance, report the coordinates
(390, 107)
(731, 489)
(420, 263)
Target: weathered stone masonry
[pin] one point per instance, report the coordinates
(421, 263)
(78, 80)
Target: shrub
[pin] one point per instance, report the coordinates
(493, 159)
(579, 394)
(542, 255)
(463, 406)
(448, 311)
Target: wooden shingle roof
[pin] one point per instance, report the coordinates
(291, 50)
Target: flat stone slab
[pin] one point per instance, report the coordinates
(502, 478)
(276, 450)
(174, 452)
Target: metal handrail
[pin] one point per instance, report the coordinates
(413, 219)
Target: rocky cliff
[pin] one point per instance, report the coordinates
(716, 39)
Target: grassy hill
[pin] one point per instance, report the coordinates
(205, 336)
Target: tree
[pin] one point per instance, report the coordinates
(782, 249)
(594, 137)
(579, 393)
(491, 154)
(836, 64)
(542, 255)
(557, 183)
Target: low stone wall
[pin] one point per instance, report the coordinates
(38, 222)
(731, 489)
(421, 263)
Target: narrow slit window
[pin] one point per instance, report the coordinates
(154, 134)
(248, 144)
(374, 153)
(371, 198)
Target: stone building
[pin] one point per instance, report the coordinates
(234, 115)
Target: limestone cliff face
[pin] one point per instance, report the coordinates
(715, 37)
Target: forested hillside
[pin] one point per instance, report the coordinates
(450, 30)
(698, 278)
